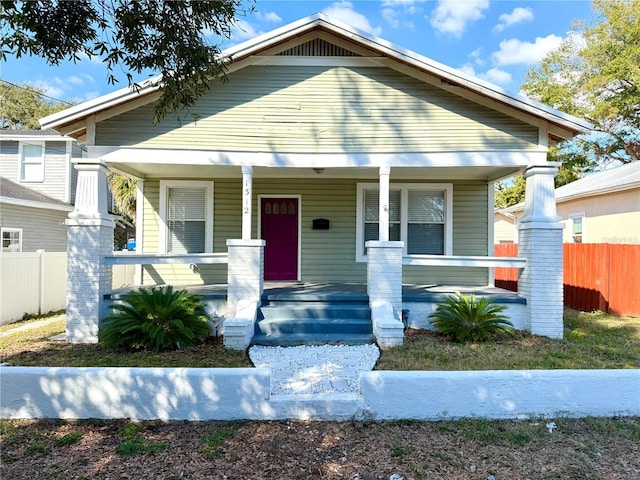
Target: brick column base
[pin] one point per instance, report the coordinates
(541, 281)
(245, 279)
(384, 287)
(384, 273)
(88, 277)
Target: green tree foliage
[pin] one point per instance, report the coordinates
(574, 164)
(137, 36)
(469, 319)
(124, 190)
(22, 105)
(595, 74)
(155, 319)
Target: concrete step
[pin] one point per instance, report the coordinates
(291, 340)
(316, 310)
(286, 326)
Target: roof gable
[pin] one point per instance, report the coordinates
(319, 37)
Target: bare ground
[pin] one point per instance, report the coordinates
(603, 449)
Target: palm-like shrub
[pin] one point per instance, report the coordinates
(467, 319)
(155, 319)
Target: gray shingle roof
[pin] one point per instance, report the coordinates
(7, 132)
(619, 178)
(18, 192)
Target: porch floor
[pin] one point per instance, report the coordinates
(342, 291)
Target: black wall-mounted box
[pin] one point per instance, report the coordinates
(320, 224)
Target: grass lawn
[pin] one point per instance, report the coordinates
(469, 449)
(592, 340)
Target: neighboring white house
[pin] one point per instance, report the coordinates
(603, 207)
(329, 156)
(37, 189)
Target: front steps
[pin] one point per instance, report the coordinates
(283, 322)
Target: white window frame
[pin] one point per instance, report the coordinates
(165, 185)
(447, 188)
(572, 217)
(21, 175)
(11, 230)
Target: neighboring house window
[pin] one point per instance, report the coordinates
(577, 227)
(32, 162)
(420, 215)
(186, 211)
(11, 239)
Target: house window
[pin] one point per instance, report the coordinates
(186, 211)
(11, 239)
(31, 162)
(577, 227)
(420, 215)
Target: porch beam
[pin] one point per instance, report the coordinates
(464, 261)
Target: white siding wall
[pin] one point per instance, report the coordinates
(42, 229)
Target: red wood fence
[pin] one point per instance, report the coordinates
(602, 277)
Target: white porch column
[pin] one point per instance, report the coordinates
(247, 188)
(89, 239)
(383, 212)
(540, 242)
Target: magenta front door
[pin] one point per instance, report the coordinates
(279, 225)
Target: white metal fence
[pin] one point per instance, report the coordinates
(36, 282)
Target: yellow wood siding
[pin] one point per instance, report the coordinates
(324, 109)
(326, 255)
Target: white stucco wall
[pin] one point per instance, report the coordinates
(244, 393)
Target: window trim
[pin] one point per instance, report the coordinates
(573, 216)
(11, 229)
(404, 188)
(208, 227)
(21, 165)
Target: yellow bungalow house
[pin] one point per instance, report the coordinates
(603, 207)
(330, 160)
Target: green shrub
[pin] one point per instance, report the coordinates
(156, 319)
(467, 319)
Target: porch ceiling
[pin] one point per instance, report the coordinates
(149, 171)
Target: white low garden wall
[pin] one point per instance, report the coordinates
(244, 393)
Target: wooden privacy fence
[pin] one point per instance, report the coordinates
(601, 276)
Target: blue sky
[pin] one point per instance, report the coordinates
(495, 40)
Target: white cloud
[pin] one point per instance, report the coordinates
(91, 95)
(243, 30)
(344, 12)
(497, 76)
(493, 75)
(518, 15)
(514, 51)
(476, 56)
(48, 89)
(400, 3)
(272, 17)
(452, 16)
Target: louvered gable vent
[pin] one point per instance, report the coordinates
(318, 48)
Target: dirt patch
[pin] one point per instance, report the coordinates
(602, 449)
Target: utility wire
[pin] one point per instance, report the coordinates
(35, 91)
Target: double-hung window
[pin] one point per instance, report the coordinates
(420, 215)
(11, 239)
(31, 162)
(186, 211)
(577, 227)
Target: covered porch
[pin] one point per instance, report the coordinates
(390, 289)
